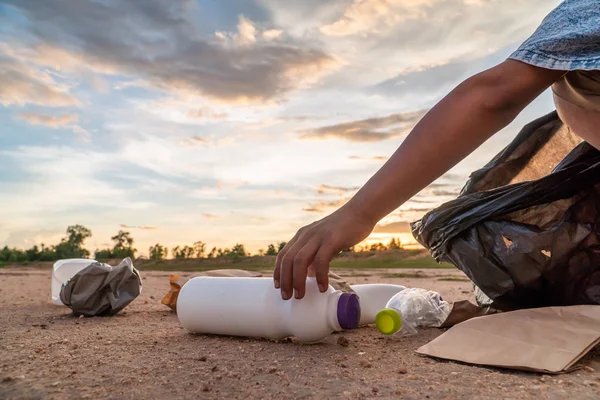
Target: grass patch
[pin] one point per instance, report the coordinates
(403, 259)
(406, 275)
(454, 279)
(391, 262)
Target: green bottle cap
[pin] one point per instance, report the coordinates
(388, 321)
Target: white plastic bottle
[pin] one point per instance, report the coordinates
(252, 307)
(373, 297)
(64, 270)
(412, 308)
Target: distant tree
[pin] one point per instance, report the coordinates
(394, 244)
(33, 254)
(213, 253)
(123, 245)
(188, 252)
(158, 252)
(103, 254)
(378, 247)
(183, 253)
(47, 253)
(72, 245)
(261, 252)
(271, 250)
(238, 251)
(222, 253)
(199, 249)
(281, 246)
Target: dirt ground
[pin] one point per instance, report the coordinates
(143, 353)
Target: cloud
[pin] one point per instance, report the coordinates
(48, 120)
(372, 158)
(313, 210)
(206, 112)
(368, 130)
(143, 227)
(271, 34)
(210, 216)
(324, 206)
(21, 85)
(394, 227)
(160, 43)
(339, 190)
(54, 122)
(368, 16)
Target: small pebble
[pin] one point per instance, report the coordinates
(203, 359)
(7, 379)
(589, 369)
(55, 384)
(342, 341)
(365, 364)
(272, 370)
(402, 370)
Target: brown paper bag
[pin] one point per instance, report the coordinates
(547, 340)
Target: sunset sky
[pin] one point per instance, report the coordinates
(228, 120)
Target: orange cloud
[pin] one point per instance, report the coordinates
(373, 158)
(21, 85)
(340, 190)
(143, 227)
(48, 120)
(368, 130)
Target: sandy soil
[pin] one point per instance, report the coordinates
(144, 353)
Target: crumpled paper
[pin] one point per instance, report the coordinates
(102, 290)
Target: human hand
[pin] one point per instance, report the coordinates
(312, 248)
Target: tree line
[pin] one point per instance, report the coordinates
(72, 246)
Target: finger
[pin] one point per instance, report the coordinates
(302, 260)
(279, 260)
(287, 269)
(321, 266)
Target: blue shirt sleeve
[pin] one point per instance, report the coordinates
(568, 38)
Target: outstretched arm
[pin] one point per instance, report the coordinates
(468, 116)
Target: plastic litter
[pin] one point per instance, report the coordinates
(102, 290)
(64, 270)
(412, 308)
(373, 297)
(176, 282)
(525, 227)
(252, 307)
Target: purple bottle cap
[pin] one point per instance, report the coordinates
(348, 311)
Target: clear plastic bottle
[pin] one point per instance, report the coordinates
(373, 297)
(412, 308)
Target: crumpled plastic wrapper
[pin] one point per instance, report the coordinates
(102, 290)
(177, 282)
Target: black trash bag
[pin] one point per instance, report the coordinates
(525, 228)
(102, 290)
